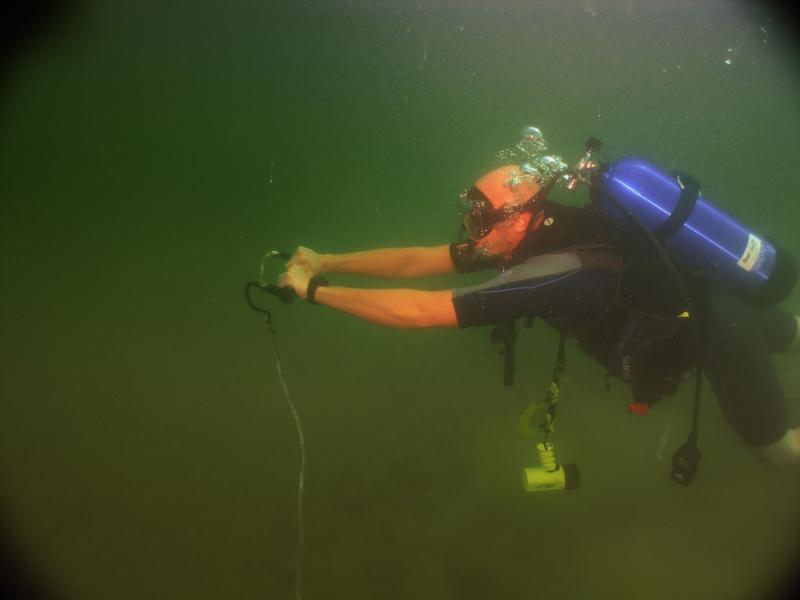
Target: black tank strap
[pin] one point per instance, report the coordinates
(690, 191)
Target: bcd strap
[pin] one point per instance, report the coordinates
(690, 191)
(506, 332)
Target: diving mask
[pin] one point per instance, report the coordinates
(479, 216)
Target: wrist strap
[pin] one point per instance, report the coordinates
(313, 284)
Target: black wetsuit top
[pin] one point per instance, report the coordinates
(612, 293)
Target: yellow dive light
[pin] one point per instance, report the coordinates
(551, 476)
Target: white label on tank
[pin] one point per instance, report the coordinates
(749, 259)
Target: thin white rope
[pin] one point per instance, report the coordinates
(301, 438)
(300, 480)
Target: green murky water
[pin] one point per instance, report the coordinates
(151, 152)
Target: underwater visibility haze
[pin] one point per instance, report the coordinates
(151, 153)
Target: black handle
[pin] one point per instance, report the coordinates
(284, 294)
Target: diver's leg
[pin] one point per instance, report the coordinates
(739, 366)
(779, 328)
(783, 454)
(795, 345)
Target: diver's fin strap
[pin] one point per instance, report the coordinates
(690, 191)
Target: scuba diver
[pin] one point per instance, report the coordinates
(595, 278)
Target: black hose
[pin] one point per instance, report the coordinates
(284, 294)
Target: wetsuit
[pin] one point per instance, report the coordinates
(616, 298)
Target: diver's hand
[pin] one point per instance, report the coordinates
(307, 259)
(297, 278)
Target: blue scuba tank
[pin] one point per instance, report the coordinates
(697, 234)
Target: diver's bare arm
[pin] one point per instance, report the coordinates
(398, 308)
(416, 261)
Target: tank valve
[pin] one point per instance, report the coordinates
(581, 172)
